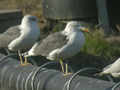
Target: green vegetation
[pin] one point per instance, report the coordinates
(59, 27)
(97, 45)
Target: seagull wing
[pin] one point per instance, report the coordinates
(114, 67)
(107, 67)
(9, 35)
(50, 43)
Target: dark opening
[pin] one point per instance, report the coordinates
(113, 7)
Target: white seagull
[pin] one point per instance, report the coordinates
(21, 37)
(61, 45)
(112, 69)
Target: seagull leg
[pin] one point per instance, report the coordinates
(66, 71)
(21, 60)
(62, 66)
(25, 62)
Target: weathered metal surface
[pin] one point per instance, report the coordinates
(103, 17)
(69, 9)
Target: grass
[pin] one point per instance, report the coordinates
(97, 45)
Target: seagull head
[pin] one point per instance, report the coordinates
(29, 19)
(76, 26)
(30, 25)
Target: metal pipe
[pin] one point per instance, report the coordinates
(16, 77)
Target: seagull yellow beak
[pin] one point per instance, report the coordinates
(84, 29)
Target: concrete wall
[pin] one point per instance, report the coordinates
(9, 18)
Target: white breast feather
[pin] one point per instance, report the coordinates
(76, 41)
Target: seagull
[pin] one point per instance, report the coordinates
(21, 37)
(112, 69)
(61, 45)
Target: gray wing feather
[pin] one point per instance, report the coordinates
(50, 43)
(107, 67)
(9, 35)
